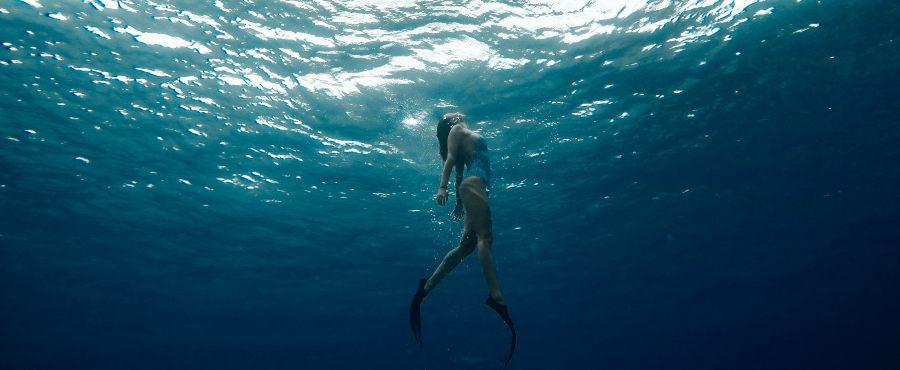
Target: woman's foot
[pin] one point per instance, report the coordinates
(500, 308)
(503, 311)
(415, 312)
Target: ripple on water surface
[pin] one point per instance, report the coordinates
(281, 99)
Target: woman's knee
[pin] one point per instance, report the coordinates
(485, 240)
(456, 254)
(468, 243)
(462, 251)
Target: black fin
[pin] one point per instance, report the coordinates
(415, 312)
(504, 314)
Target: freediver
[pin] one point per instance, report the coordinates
(465, 150)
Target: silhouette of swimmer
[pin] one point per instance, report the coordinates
(466, 151)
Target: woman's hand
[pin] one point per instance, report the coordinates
(441, 196)
(458, 212)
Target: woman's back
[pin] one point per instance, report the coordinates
(470, 142)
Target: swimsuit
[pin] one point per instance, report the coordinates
(480, 164)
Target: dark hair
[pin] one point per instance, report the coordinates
(443, 133)
(443, 129)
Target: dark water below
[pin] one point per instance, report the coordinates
(249, 184)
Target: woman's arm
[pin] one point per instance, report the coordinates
(458, 211)
(459, 179)
(452, 145)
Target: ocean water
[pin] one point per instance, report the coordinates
(249, 184)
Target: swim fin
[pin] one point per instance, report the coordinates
(504, 314)
(415, 314)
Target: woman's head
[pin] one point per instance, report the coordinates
(443, 129)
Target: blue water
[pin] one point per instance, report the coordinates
(249, 184)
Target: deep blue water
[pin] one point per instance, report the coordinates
(249, 184)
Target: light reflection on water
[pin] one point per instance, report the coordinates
(282, 98)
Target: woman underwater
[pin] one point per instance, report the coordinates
(462, 148)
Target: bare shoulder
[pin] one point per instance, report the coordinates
(458, 133)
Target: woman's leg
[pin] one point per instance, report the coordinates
(451, 260)
(477, 233)
(478, 213)
(487, 267)
(478, 217)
